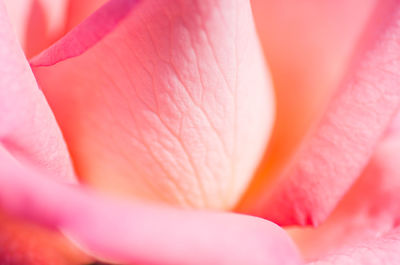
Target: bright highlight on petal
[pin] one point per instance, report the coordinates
(169, 101)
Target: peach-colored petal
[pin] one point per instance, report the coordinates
(78, 10)
(337, 148)
(37, 23)
(165, 101)
(22, 243)
(134, 233)
(307, 46)
(370, 209)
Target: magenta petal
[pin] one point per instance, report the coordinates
(28, 128)
(132, 233)
(336, 150)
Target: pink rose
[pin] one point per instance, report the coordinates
(156, 132)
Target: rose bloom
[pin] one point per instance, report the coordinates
(199, 132)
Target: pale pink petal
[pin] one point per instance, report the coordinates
(307, 46)
(134, 233)
(371, 208)
(383, 249)
(28, 131)
(28, 128)
(37, 23)
(163, 100)
(338, 147)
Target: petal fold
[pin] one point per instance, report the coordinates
(38, 23)
(29, 133)
(28, 128)
(135, 233)
(337, 148)
(78, 11)
(370, 209)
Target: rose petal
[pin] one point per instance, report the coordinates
(37, 23)
(165, 101)
(79, 10)
(307, 46)
(142, 234)
(26, 244)
(27, 126)
(381, 250)
(337, 148)
(370, 209)
(29, 132)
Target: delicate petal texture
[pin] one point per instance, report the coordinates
(334, 153)
(381, 250)
(29, 132)
(37, 23)
(139, 234)
(165, 101)
(369, 210)
(28, 129)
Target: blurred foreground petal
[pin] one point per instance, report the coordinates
(131, 233)
(22, 243)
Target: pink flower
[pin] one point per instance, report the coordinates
(155, 133)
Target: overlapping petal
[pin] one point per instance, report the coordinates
(79, 10)
(23, 243)
(134, 233)
(37, 23)
(307, 46)
(335, 150)
(28, 131)
(162, 99)
(367, 212)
